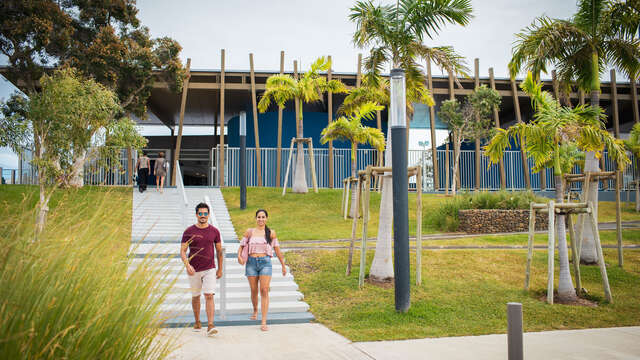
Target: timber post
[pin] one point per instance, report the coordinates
(476, 63)
(432, 121)
(256, 129)
(523, 156)
(183, 104)
(496, 117)
(329, 120)
(279, 145)
(221, 121)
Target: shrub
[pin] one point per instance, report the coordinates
(70, 295)
(445, 217)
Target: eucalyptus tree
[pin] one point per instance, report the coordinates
(349, 127)
(395, 36)
(308, 88)
(552, 132)
(633, 145)
(471, 120)
(600, 33)
(57, 121)
(103, 39)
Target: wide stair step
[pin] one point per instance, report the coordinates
(157, 227)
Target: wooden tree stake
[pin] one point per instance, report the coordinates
(551, 251)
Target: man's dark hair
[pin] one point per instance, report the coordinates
(202, 206)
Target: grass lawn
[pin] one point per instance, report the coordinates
(464, 292)
(84, 205)
(314, 216)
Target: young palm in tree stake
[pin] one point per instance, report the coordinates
(553, 130)
(309, 88)
(350, 128)
(601, 33)
(395, 35)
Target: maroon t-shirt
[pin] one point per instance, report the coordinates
(201, 246)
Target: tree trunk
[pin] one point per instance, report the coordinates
(300, 177)
(588, 253)
(638, 195)
(456, 163)
(382, 265)
(76, 178)
(354, 168)
(566, 291)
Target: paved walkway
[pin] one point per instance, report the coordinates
(315, 341)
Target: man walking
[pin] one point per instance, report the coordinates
(201, 239)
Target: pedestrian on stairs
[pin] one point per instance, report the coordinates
(203, 241)
(142, 167)
(160, 171)
(256, 250)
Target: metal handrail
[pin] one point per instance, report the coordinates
(180, 185)
(223, 281)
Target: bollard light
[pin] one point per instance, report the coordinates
(397, 123)
(243, 160)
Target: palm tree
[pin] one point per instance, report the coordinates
(633, 144)
(350, 128)
(395, 35)
(600, 33)
(309, 88)
(553, 130)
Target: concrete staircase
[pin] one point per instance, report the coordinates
(157, 231)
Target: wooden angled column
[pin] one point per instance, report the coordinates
(614, 105)
(476, 63)
(634, 99)
(221, 121)
(183, 103)
(432, 120)
(496, 117)
(256, 129)
(279, 145)
(523, 156)
(329, 120)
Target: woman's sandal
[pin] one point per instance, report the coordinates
(253, 317)
(264, 328)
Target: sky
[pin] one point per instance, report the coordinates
(308, 29)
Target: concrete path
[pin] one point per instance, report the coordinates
(315, 341)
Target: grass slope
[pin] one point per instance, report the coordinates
(464, 292)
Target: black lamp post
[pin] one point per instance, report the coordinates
(243, 160)
(397, 121)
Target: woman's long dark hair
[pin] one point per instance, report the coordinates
(267, 231)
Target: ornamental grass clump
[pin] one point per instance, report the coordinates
(70, 295)
(445, 217)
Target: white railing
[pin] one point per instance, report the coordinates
(180, 187)
(223, 281)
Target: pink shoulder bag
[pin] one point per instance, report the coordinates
(245, 249)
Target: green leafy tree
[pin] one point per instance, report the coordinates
(104, 39)
(601, 33)
(471, 120)
(633, 144)
(350, 128)
(395, 36)
(553, 128)
(69, 115)
(308, 88)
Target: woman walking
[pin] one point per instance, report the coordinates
(256, 249)
(142, 166)
(160, 171)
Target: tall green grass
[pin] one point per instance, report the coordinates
(70, 295)
(445, 216)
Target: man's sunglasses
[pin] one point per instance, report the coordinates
(203, 214)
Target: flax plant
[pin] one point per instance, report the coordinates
(70, 295)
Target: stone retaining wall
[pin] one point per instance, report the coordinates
(486, 221)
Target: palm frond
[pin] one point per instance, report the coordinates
(589, 15)
(624, 55)
(426, 18)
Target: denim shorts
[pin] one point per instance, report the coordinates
(258, 266)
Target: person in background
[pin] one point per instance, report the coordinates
(256, 249)
(203, 241)
(160, 171)
(142, 167)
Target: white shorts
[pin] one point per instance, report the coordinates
(203, 282)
